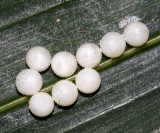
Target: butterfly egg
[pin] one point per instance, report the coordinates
(136, 34)
(113, 44)
(29, 82)
(65, 93)
(89, 55)
(41, 104)
(64, 64)
(38, 58)
(88, 80)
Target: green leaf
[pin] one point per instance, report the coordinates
(128, 99)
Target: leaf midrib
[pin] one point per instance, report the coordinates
(103, 65)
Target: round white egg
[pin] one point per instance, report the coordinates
(88, 80)
(113, 44)
(136, 34)
(64, 64)
(41, 104)
(38, 58)
(65, 93)
(29, 82)
(89, 55)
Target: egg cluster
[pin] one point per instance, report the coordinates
(64, 64)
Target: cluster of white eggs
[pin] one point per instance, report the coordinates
(64, 64)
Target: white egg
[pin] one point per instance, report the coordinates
(136, 34)
(38, 58)
(29, 82)
(88, 80)
(113, 44)
(64, 93)
(41, 104)
(64, 64)
(89, 55)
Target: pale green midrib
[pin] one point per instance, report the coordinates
(95, 27)
(35, 14)
(103, 65)
(90, 30)
(50, 8)
(150, 43)
(124, 103)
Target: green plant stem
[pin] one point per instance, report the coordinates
(103, 65)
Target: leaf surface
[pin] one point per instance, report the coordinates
(128, 99)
